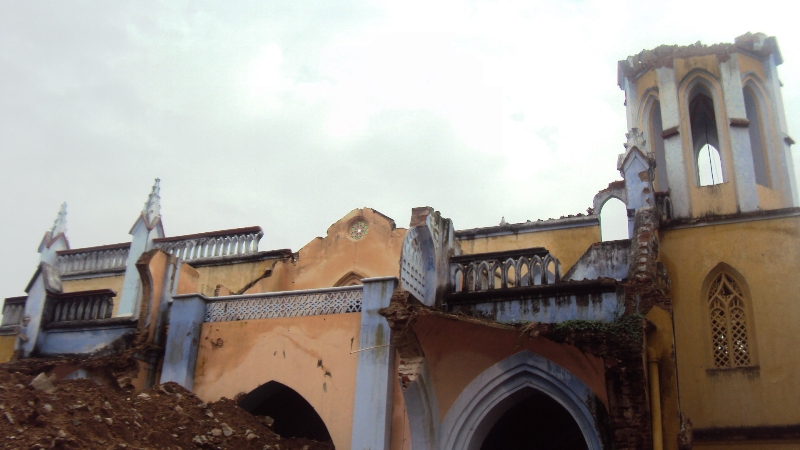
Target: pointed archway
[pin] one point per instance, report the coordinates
(503, 393)
(536, 422)
(293, 415)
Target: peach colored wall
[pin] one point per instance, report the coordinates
(232, 276)
(86, 284)
(568, 245)
(454, 363)
(188, 281)
(308, 354)
(401, 431)
(324, 261)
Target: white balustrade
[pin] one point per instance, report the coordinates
(91, 305)
(13, 309)
(99, 259)
(502, 270)
(210, 246)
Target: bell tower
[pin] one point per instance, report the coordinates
(714, 123)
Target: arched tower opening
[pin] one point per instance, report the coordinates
(293, 415)
(535, 422)
(613, 220)
(755, 130)
(705, 138)
(656, 132)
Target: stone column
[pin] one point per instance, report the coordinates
(185, 323)
(744, 174)
(372, 411)
(673, 148)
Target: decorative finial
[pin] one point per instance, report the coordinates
(152, 207)
(60, 225)
(636, 139)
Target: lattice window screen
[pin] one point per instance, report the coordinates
(728, 323)
(291, 305)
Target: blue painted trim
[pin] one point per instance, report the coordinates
(372, 412)
(183, 339)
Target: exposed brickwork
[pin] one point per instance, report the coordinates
(629, 412)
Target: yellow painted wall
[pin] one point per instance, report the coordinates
(646, 81)
(767, 254)
(308, 354)
(86, 284)
(660, 342)
(7, 347)
(568, 245)
(749, 64)
(324, 261)
(708, 63)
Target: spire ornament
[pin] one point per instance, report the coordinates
(636, 139)
(152, 207)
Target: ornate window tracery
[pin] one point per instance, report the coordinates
(729, 331)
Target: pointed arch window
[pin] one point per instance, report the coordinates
(729, 332)
(756, 136)
(705, 138)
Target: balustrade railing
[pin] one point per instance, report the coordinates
(502, 270)
(239, 241)
(13, 310)
(271, 305)
(104, 258)
(84, 305)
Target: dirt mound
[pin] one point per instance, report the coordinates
(82, 414)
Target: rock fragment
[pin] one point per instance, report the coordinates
(226, 430)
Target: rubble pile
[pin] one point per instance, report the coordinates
(37, 412)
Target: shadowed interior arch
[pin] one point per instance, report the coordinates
(293, 415)
(535, 422)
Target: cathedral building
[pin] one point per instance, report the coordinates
(533, 335)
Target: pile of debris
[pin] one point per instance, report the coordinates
(37, 412)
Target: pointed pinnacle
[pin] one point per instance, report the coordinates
(152, 207)
(60, 224)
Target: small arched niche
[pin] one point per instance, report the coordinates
(350, 279)
(293, 415)
(705, 137)
(613, 220)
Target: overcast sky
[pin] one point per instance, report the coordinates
(289, 114)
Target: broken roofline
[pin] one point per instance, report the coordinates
(757, 45)
(561, 223)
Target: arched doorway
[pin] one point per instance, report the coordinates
(537, 422)
(293, 415)
(519, 385)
